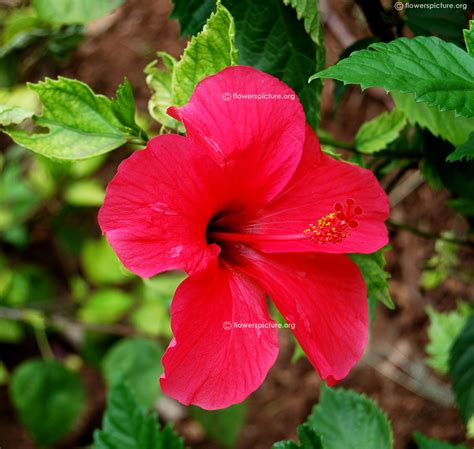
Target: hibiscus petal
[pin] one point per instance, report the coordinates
(206, 364)
(324, 296)
(158, 205)
(318, 184)
(258, 140)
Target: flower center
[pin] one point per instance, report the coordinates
(333, 227)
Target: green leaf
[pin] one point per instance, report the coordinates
(123, 106)
(437, 72)
(126, 425)
(425, 443)
(375, 277)
(72, 11)
(138, 361)
(223, 426)
(377, 133)
(105, 306)
(346, 419)
(11, 115)
(207, 53)
(48, 398)
(469, 38)
(81, 124)
(443, 329)
(309, 439)
(461, 369)
(10, 331)
(101, 265)
(443, 124)
(446, 23)
(87, 192)
(466, 150)
(192, 14)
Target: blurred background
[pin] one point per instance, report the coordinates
(63, 292)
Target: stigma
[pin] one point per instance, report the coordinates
(336, 225)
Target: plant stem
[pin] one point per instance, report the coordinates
(428, 235)
(43, 343)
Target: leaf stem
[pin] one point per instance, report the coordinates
(42, 342)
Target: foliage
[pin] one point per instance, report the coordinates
(126, 425)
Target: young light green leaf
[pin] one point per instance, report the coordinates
(62, 12)
(442, 124)
(126, 425)
(377, 133)
(466, 150)
(223, 426)
(469, 38)
(207, 53)
(344, 418)
(105, 306)
(101, 265)
(81, 124)
(309, 439)
(425, 443)
(11, 115)
(138, 362)
(159, 82)
(461, 369)
(437, 72)
(443, 329)
(375, 277)
(48, 398)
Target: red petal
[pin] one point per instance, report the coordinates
(259, 141)
(158, 205)
(319, 183)
(324, 295)
(210, 366)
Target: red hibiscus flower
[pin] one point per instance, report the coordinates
(247, 205)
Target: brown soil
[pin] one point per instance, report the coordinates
(127, 45)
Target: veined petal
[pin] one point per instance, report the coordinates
(211, 363)
(158, 205)
(252, 124)
(324, 296)
(319, 184)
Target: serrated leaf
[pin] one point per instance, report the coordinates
(48, 398)
(223, 426)
(138, 362)
(437, 72)
(443, 329)
(377, 133)
(375, 276)
(11, 115)
(80, 123)
(72, 11)
(126, 425)
(309, 439)
(442, 124)
(461, 369)
(425, 443)
(466, 150)
(105, 306)
(207, 53)
(192, 14)
(346, 419)
(469, 38)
